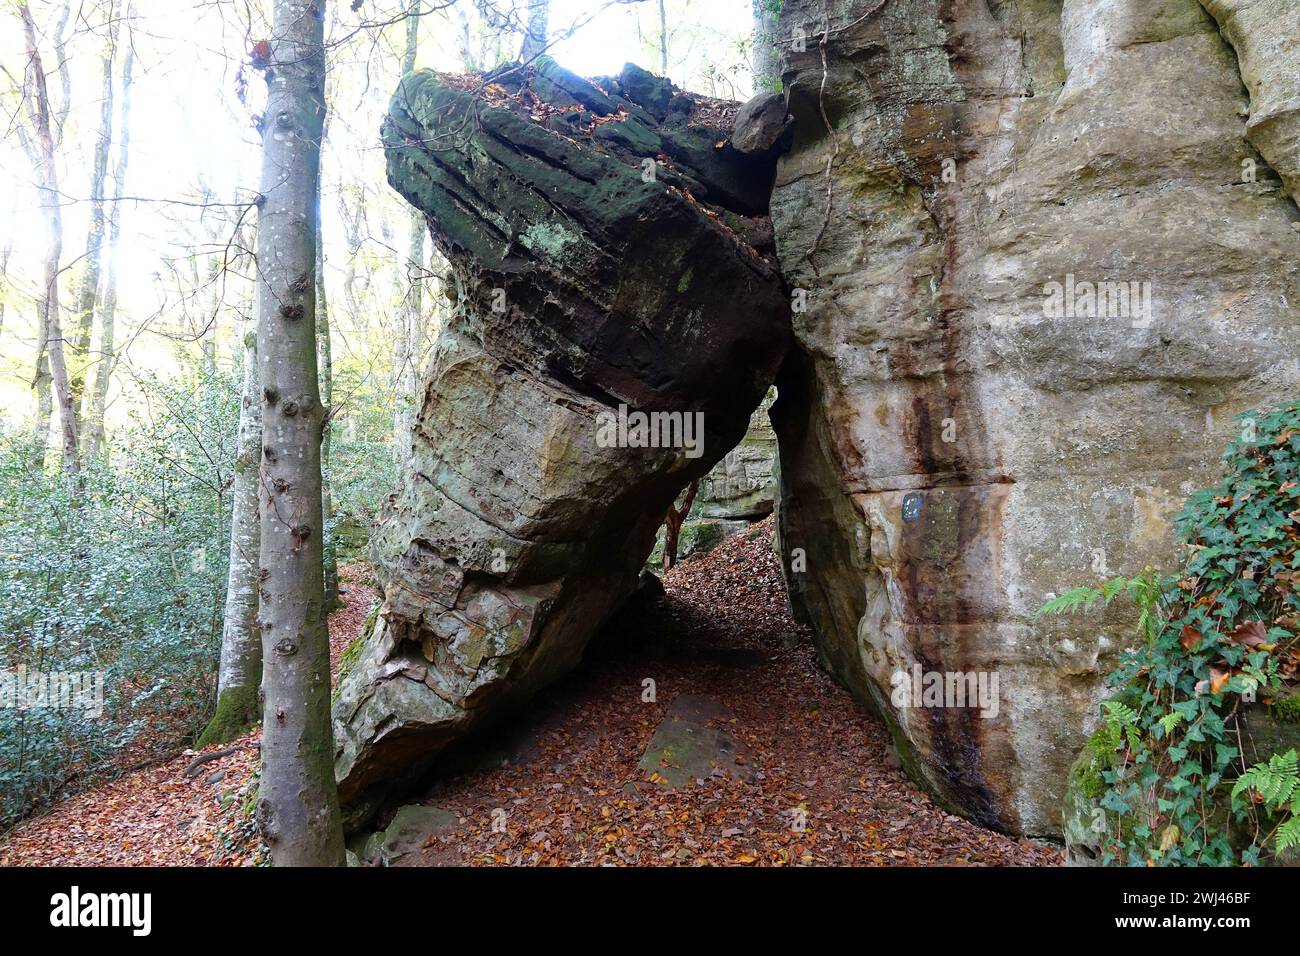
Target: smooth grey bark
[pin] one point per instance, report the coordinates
(297, 809)
(351, 217)
(96, 401)
(764, 58)
(64, 70)
(325, 362)
(535, 32)
(88, 291)
(464, 44)
(4, 280)
(47, 175)
(663, 39)
(406, 379)
(239, 674)
(44, 412)
(412, 37)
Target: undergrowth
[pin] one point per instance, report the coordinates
(1166, 763)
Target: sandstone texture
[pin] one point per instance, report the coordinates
(955, 447)
(741, 486)
(1266, 36)
(607, 248)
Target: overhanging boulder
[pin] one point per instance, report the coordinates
(611, 256)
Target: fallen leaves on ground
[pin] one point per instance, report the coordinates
(819, 788)
(158, 816)
(822, 791)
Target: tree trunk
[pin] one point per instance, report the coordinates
(4, 280)
(464, 43)
(88, 292)
(240, 672)
(406, 380)
(673, 524)
(535, 34)
(663, 39)
(44, 397)
(297, 808)
(412, 37)
(48, 181)
(352, 227)
(325, 359)
(97, 397)
(766, 61)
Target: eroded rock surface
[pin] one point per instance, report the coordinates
(608, 248)
(741, 486)
(953, 449)
(1266, 36)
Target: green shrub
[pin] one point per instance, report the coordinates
(127, 582)
(1223, 629)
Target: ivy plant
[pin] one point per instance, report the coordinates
(1211, 638)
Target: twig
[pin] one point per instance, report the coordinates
(201, 759)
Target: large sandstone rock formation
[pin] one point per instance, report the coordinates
(741, 486)
(954, 448)
(607, 249)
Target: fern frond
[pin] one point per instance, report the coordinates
(1119, 713)
(1113, 588)
(1071, 601)
(1288, 835)
(1277, 781)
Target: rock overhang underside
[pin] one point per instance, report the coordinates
(610, 255)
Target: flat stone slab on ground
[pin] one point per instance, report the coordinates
(411, 827)
(685, 747)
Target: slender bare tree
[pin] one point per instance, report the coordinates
(325, 361)
(37, 99)
(240, 672)
(412, 335)
(297, 807)
(96, 401)
(44, 411)
(4, 279)
(673, 523)
(663, 39)
(88, 293)
(535, 32)
(763, 55)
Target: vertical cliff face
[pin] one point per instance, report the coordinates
(611, 258)
(1266, 36)
(1048, 253)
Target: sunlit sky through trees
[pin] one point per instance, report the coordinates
(194, 160)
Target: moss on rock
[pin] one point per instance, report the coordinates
(238, 709)
(1285, 709)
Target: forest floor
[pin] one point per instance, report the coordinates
(741, 752)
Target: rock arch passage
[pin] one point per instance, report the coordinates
(952, 450)
(611, 260)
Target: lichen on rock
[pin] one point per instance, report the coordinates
(951, 449)
(568, 210)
